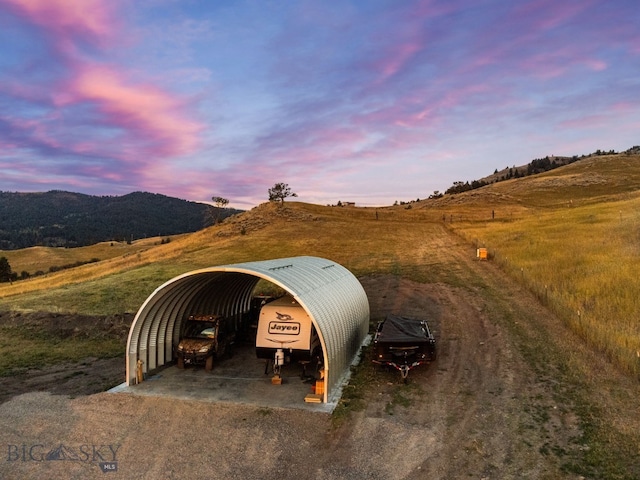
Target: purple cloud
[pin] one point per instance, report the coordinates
(91, 110)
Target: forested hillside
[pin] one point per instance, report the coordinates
(65, 219)
(534, 167)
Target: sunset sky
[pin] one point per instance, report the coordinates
(367, 101)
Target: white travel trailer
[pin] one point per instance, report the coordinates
(286, 333)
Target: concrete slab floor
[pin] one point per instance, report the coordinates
(240, 379)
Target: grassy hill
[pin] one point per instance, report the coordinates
(576, 245)
(571, 235)
(47, 259)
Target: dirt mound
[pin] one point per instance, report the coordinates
(261, 216)
(90, 375)
(70, 325)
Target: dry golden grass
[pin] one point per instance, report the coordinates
(578, 250)
(353, 237)
(34, 259)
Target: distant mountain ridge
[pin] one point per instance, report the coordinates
(65, 219)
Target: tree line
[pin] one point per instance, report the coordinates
(534, 167)
(65, 219)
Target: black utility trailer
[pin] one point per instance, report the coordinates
(403, 343)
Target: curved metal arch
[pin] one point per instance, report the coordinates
(331, 295)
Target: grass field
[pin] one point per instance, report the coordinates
(42, 259)
(352, 237)
(578, 251)
(24, 348)
(571, 235)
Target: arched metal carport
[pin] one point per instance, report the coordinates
(331, 295)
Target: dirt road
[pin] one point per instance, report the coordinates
(483, 410)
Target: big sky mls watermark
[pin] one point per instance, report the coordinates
(103, 455)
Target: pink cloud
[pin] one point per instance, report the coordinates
(93, 118)
(92, 19)
(563, 60)
(400, 47)
(398, 58)
(549, 14)
(540, 38)
(585, 122)
(596, 120)
(151, 116)
(148, 118)
(29, 131)
(424, 107)
(596, 64)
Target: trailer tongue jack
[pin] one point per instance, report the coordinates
(278, 362)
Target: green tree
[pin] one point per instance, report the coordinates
(5, 270)
(279, 192)
(221, 204)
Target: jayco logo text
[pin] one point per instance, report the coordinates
(283, 328)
